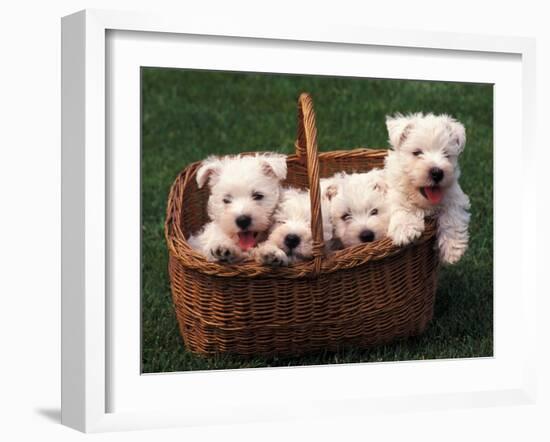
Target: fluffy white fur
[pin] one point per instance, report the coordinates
(422, 144)
(359, 208)
(292, 218)
(248, 186)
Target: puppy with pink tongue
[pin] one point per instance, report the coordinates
(422, 174)
(244, 193)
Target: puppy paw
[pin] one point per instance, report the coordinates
(271, 255)
(225, 252)
(450, 251)
(405, 233)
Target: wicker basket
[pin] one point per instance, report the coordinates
(361, 296)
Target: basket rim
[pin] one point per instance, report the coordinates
(347, 258)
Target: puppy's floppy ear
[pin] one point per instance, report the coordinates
(379, 177)
(274, 166)
(331, 191)
(457, 133)
(209, 171)
(399, 127)
(381, 186)
(328, 229)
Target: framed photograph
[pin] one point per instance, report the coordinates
(157, 332)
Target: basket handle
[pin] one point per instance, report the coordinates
(308, 153)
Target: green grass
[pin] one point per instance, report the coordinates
(187, 115)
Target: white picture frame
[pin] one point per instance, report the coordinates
(87, 355)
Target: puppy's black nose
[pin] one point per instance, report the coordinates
(366, 235)
(243, 221)
(292, 241)
(437, 174)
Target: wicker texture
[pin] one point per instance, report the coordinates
(363, 295)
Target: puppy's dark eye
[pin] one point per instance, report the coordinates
(374, 212)
(257, 196)
(227, 200)
(346, 216)
(446, 154)
(417, 152)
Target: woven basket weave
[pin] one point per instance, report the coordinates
(361, 296)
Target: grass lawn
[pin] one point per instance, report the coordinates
(187, 115)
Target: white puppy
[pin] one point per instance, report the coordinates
(422, 174)
(244, 192)
(290, 239)
(359, 208)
